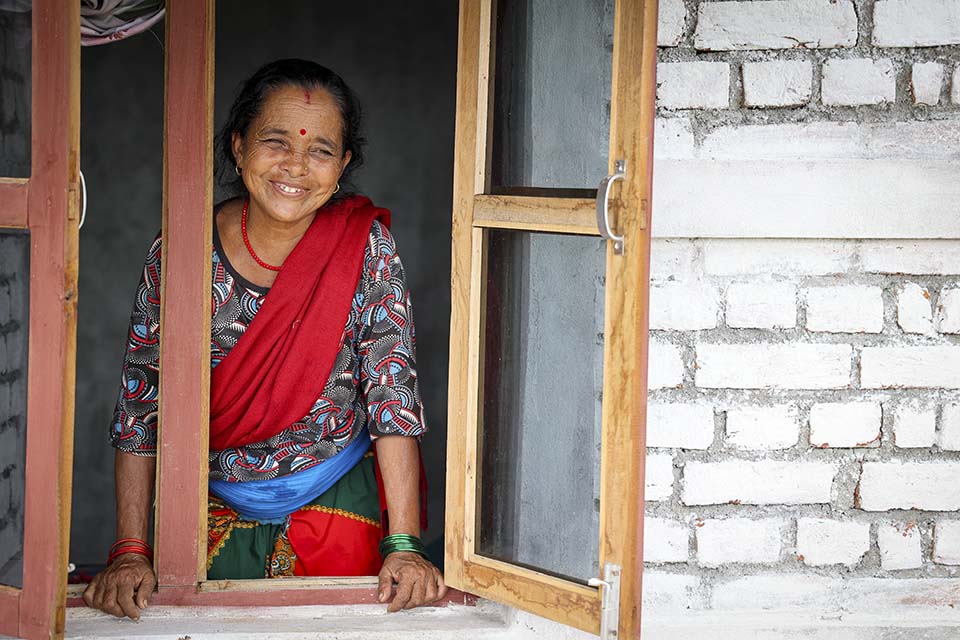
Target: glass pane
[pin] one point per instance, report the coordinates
(15, 41)
(542, 381)
(14, 324)
(552, 93)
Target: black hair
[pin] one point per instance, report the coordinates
(298, 73)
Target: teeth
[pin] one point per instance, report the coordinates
(287, 189)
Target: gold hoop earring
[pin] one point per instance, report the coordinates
(237, 168)
(338, 188)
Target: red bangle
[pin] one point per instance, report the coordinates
(124, 540)
(140, 551)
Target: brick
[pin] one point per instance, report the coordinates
(845, 309)
(929, 486)
(671, 23)
(916, 23)
(858, 81)
(926, 78)
(773, 366)
(671, 259)
(673, 140)
(670, 591)
(899, 545)
(948, 311)
(761, 305)
(680, 426)
(757, 482)
(934, 257)
(658, 472)
(910, 367)
(845, 424)
(950, 428)
(823, 542)
(779, 83)
(684, 306)
(759, 428)
(914, 425)
(665, 365)
(946, 542)
(693, 85)
(783, 257)
(665, 540)
(776, 24)
(914, 309)
(738, 540)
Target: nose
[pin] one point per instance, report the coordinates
(295, 163)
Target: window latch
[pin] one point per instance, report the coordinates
(609, 600)
(603, 206)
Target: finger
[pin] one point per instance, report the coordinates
(125, 601)
(418, 595)
(90, 593)
(441, 586)
(109, 603)
(402, 597)
(145, 590)
(384, 585)
(430, 584)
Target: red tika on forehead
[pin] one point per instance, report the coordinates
(303, 132)
(306, 96)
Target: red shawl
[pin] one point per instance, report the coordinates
(277, 370)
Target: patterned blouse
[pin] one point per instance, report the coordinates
(373, 381)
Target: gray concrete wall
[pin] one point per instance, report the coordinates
(401, 60)
(14, 325)
(15, 56)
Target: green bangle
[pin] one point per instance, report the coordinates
(401, 542)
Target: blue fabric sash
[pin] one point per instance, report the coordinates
(271, 501)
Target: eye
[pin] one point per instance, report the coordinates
(273, 143)
(319, 152)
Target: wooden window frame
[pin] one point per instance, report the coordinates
(476, 210)
(47, 204)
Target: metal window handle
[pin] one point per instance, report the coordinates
(603, 205)
(83, 199)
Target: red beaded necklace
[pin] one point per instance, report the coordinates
(246, 240)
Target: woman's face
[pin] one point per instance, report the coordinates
(292, 155)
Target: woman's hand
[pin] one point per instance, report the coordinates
(418, 581)
(123, 588)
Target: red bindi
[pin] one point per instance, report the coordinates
(306, 96)
(303, 132)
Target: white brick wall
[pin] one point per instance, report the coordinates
(779, 83)
(776, 24)
(845, 424)
(678, 425)
(761, 305)
(693, 85)
(899, 545)
(825, 542)
(738, 540)
(757, 482)
(858, 81)
(946, 542)
(929, 486)
(845, 309)
(797, 351)
(916, 23)
(758, 428)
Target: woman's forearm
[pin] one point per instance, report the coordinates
(135, 477)
(399, 460)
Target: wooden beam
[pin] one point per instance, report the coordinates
(9, 611)
(554, 215)
(52, 214)
(181, 515)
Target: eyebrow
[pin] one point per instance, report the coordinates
(276, 130)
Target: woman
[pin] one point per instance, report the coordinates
(311, 362)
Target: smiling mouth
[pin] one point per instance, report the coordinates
(285, 188)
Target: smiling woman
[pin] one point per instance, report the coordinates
(313, 357)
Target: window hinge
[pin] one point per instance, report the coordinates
(609, 600)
